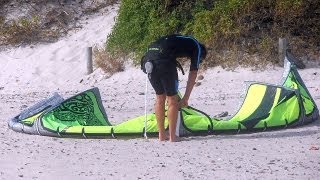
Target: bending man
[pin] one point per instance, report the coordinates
(163, 54)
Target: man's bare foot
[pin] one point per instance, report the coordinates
(176, 139)
(162, 137)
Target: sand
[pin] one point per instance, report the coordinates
(29, 74)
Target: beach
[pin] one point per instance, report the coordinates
(31, 73)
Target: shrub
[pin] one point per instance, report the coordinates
(140, 22)
(24, 31)
(245, 28)
(53, 19)
(106, 62)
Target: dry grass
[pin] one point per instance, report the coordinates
(229, 56)
(43, 21)
(25, 31)
(107, 62)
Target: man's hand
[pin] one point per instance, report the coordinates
(183, 103)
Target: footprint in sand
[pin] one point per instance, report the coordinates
(199, 79)
(37, 71)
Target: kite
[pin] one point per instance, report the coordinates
(265, 107)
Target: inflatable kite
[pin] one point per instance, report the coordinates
(264, 107)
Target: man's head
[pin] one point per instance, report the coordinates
(203, 51)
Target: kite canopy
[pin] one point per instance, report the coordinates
(264, 107)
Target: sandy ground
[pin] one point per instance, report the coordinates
(60, 67)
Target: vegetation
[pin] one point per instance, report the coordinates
(33, 21)
(238, 32)
(108, 63)
(24, 31)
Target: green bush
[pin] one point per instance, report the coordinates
(141, 22)
(250, 26)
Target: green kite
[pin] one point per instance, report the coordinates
(264, 107)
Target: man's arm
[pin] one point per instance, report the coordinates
(191, 81)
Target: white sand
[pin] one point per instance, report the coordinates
(29, 74)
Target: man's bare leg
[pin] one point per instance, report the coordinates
(172, 116)
(160, 115)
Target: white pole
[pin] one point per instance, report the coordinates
(89, 60)
(148, 66)
(145, 108)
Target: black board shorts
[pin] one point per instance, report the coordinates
(164, 79)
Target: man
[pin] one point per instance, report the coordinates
(164, 77)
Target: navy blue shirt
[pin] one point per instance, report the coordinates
(174, 46)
